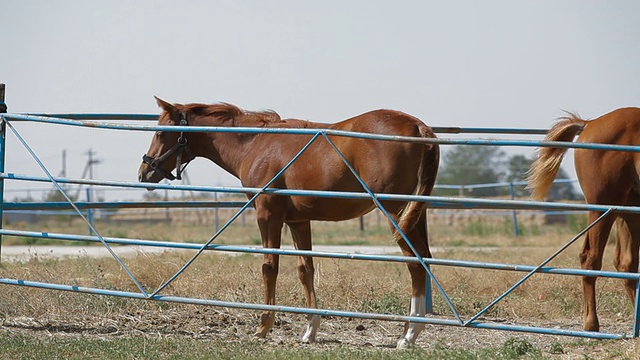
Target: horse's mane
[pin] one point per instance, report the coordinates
(238, 116)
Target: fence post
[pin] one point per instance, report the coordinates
(89, 212)
(3, 109)
(215, 212)
(515, 218)
(636, 308)
(428, 293)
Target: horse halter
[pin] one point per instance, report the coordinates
(178, 149)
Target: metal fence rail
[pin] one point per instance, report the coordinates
(330, 132)
(431, 201)
(320, 254)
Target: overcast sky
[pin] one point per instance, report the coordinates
(450, 63)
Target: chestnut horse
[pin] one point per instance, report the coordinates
(384, 166)
(606, 177)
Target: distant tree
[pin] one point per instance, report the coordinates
(517, 168)
(517, 171)
(469, 165)
(27, 198)
(54, 195)
(473, 165)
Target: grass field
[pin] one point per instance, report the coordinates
(53, 324)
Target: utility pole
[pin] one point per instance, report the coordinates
(63, 172)
(88, 169)
(91, 162)
(90, 191)
(3, 109)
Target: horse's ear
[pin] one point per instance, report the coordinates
(163, 104)
(171, 109)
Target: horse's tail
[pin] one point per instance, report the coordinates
(545, 168)
(429, 161)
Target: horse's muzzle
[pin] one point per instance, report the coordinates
(148, 175)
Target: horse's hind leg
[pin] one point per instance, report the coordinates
(591, 259)
(301, 233)
(628, 245)
(419, 240)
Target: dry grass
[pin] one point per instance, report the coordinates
(544, 300)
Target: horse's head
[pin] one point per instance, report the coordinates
(169, 149)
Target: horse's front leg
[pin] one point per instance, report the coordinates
(301, 233)
(271, 231)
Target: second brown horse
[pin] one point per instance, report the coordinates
(606, 177)
(384, 166)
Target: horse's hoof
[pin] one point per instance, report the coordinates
(593, 326)
(308, 339)
(260, 334)
(312, 329)
(403, 343)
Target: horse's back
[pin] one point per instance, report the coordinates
(382, 121)
(385, 166)
(382, 163)
(607, 176)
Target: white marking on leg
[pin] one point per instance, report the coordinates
(312, 328)
(418, 309)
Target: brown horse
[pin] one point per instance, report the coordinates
(384, 166)
(606, 177)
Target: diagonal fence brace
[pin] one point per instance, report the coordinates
(75, 207)
(537, 268)
(395, 225)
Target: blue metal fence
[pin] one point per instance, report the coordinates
(431, 201)
(32, 210)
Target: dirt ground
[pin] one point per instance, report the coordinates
(231, 325)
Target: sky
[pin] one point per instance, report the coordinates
(450, 63)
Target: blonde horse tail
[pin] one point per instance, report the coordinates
(429, 161)
(546, 165)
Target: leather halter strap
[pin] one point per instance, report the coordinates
(179, 148)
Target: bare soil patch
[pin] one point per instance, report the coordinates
(207, 324)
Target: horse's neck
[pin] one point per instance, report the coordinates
(227, 150)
